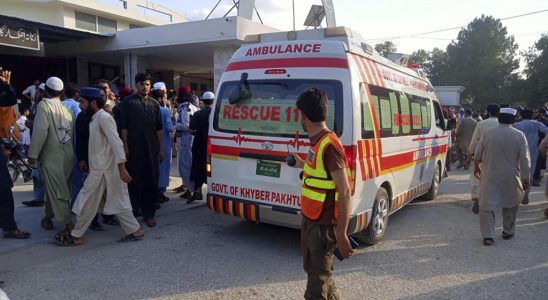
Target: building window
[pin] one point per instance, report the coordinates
(86, 21)
(94, 23)
(106, 25)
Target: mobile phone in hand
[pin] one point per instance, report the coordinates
(353, 244)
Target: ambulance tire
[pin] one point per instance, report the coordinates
(434, 186)
(379, 220)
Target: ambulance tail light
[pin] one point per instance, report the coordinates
(275, 71)
(350, 152)
(337, 31)
(208, 166)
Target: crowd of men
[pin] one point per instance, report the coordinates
(99, 150)
(508, 147)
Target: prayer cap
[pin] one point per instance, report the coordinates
(508, 110)
(159, 86)
(184, 89)
(90, 93)
(208, 97)
(124, 91)
(55, 84)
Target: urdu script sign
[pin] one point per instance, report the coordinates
(19, 37)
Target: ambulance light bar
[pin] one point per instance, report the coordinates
(252, 38)
(275, 71)
(337, 31)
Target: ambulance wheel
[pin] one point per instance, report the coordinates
(379, 219)
(434, 186)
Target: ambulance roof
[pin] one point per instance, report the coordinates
(352, 40)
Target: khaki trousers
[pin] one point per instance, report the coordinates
(318, 243)
(487, 221)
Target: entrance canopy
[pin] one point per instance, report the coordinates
(191, 47)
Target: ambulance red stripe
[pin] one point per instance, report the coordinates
(300, 62)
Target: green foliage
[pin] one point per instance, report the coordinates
(537, 72)
(419, 57)
(386, 48)
(482, 59)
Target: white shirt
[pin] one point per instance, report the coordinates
(30, 89)
(24, 131)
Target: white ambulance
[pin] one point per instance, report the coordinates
(386, 115)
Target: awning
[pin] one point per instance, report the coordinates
(50, 33)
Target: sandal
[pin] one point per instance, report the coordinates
(47, 224)
(110, 221)
(150, 222)
(488, 241)
(507, 236)
(95, 226)
(130, 238)
(66, 239)
(16, 234)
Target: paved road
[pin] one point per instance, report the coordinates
(432, 250)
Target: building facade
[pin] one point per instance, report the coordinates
(82, 41)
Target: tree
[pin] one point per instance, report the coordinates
(419, 57)
(434, 64)
(482, 59)
(436, 67)
(537, 71)
(386, 48)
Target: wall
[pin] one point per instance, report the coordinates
(48, 13)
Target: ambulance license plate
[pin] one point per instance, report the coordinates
(269, 169)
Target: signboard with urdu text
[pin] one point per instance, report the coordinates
(19, 37)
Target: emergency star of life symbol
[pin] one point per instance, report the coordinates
(267, 146)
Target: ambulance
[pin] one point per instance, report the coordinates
(386, 115)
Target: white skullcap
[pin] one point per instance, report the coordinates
(159, 86)
(508, 110)
(55, 84)
(42, 86)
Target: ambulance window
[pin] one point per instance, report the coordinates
(387, 109)
(367, 119)
(416, 122)
(271, 108)
(395, 112)
(440, 122)
(425, 112)
(405, 116)
(386, 116)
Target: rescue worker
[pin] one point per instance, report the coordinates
(504, 175)
(325, 197)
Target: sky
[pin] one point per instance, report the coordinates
(381, 19)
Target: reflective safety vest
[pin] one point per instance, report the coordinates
(316, 182)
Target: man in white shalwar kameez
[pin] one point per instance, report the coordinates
(107, 171)
(504, 175)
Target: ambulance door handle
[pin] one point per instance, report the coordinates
(262, 156)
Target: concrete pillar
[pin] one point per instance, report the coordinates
(82, 65)
(245, 9)
(221, 57)
(130, 68)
